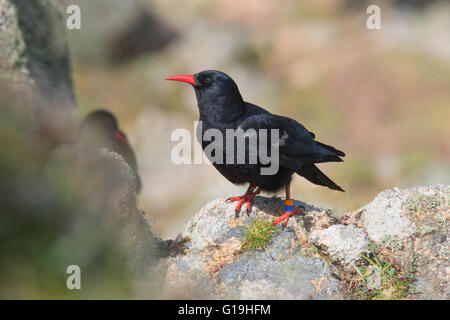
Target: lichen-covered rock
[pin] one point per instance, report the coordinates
(343, 243)
(318, 256)
(383, 218)
(216, 263)
(12, 61)
(34, 51)
(411, 227)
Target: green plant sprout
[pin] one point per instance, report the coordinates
(258, 235)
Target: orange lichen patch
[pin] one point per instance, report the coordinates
(301, 236)
(223, 254)
(447, 215)
(234, 223)
(319, 283)
(293, 244)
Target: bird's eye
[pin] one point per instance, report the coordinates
(207, 81)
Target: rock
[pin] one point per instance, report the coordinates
(35, 67)
(34, 50)
(107, 172)
(411, 225)
(77, 206)
(318, 256)
(343, 243)
(216, 264)
(383, 218)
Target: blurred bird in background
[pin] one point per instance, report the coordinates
(100, 129)
(147, 33)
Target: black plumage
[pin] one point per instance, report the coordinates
(222, 107)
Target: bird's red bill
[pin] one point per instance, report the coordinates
(119, 136)
(189, 78)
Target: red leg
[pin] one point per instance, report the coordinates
(285, 217)
(247, 197)
(289, 209)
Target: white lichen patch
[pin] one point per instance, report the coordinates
(343, 243)
(383, 218)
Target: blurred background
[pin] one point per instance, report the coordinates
(382, 96)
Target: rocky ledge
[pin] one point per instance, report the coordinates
(395, 247)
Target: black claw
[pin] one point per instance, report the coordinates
(236, 213)
(228, 199)
(248, 212)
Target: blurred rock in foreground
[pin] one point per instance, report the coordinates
(404, 233)
(109, 184)
(34, 50)
(76, 206)
(35, 67)
(73, 206)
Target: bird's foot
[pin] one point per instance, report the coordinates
(289, 211)
(247, 197)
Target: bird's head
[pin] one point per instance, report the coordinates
(99, 125)
(212, 88)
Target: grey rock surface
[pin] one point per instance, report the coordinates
(343, 243)
(412, 225)
(216, 266)
(383, 218)
(316, 253)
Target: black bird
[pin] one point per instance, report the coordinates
(101, 130)
(222, 107)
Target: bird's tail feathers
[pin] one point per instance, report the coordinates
(326, 158)
(332, 149)
(313, 174)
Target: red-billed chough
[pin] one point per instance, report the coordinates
(101, 130)
(222, 108)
